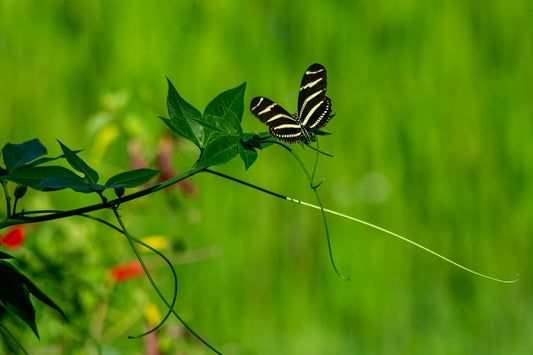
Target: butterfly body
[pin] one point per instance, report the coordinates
(314, 109)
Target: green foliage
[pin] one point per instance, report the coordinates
(23, 167)
(77, 163)
(184, 118)
(34, 176)
(249, 145)
(15, 294)
(133, 178)
(16, 155)
(25, 170)
(217, 132)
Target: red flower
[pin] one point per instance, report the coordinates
(127, 271)
(14, 237)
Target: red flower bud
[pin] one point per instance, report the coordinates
(127, 271)
(14, 237)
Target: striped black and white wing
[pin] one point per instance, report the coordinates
(314, 107)
(280, 123)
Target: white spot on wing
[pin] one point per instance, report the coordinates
(267, 109)
(311, 84)
(309, 98)
(279, 115)
(310, 72)
(287, 125)
(312, 111)
(259, 103)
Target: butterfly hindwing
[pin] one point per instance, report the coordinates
(314, 107)
(320, 113)
(280, 123)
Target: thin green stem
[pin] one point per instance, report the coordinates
(161, 255)
(175, 291)
(138, 241)
(152, 282)
(15, 205)
(365, 223)
(328, 239)
(314, 187)
(408, 241)
(8, 199)
(316, 162)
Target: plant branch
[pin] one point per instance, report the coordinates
(367, 224)
(19, 218)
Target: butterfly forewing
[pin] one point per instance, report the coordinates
(280, 123)
(314, 108)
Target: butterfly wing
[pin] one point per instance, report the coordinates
(314, 107)
(280, 123)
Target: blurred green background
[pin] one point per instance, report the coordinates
(432, 138)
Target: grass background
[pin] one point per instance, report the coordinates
(432, 138)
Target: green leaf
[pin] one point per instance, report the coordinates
(217, 126)
(248, 155)
(256, 140)
(74, 182)
(97, 187)
(78, 164)
(16, 155)
(248, 136)
(228, 109)
(232, 100)
(185, 120)
(4, 255)
(132, 178)
(222, 116)
(217, 132)
(35, 291)
(219, 150)
(249, 144)
(46, 160)
(15, 295)
(32, 176)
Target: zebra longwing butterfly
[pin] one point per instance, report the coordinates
(314, 109)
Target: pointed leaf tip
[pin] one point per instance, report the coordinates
(183, 117)
(78, 164)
